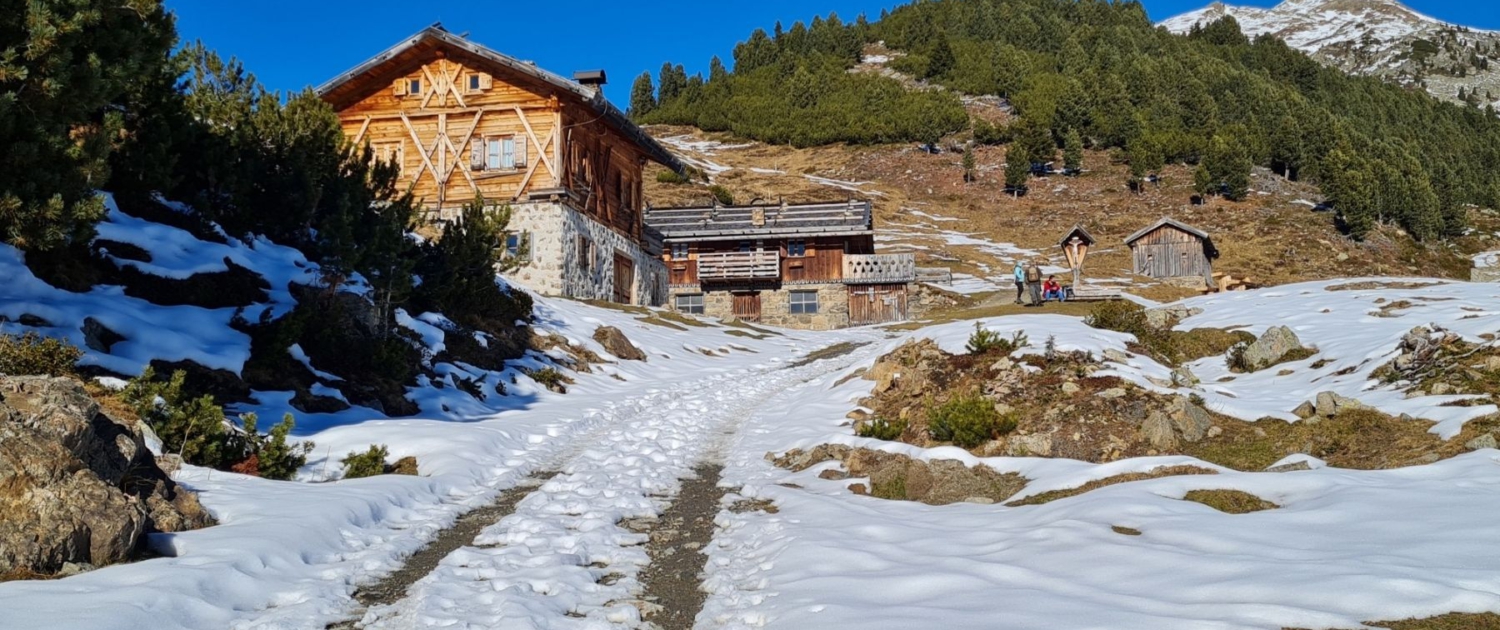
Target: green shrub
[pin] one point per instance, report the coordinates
(1120, 316)
(550, 378)
(33, 354)
(722, 195)
(196, 429)
(985, 341)
(367, 464)
(881, 429)
(191, 427)
(275, 458)
(671, 177)
(968, 422)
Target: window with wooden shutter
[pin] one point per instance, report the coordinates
(471, 83)
(476, 155)
(520, 144)
(399, 87)
(486, 81)
(414, 86)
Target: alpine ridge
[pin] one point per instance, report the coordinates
(1380, 38)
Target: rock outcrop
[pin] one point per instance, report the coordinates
(76, 486)
(1180, 421)
(615, 343)
(902, 478)
(1271, 347)
(1329, 404)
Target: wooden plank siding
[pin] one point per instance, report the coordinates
(1168, 252)
(566, 146)
(877, 304)
(822, 262)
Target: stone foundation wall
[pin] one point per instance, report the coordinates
(1484, 274)
(775, 305)
(557, 264)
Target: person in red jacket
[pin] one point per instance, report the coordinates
(1051, 289)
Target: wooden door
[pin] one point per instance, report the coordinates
(877, 304)
(624, 279)
(747, 306)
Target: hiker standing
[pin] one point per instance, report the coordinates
(1034, 283)
(1020, 276)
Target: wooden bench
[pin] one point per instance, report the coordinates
(1094, 293)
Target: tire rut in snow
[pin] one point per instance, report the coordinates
(671, 581)
(463, 531)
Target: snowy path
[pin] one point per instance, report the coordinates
(564, 559)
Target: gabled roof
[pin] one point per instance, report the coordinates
(1088, 239)
(1165, 221)
(722, 223)
(354, 84)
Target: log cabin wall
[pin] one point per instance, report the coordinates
(1168, 252)
(458, 131)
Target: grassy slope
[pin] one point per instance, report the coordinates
(1269, 237)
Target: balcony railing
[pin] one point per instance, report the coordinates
(879, 268)
(739, 266)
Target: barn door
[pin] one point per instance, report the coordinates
(624, 279)
(747, 306)
(877, 304)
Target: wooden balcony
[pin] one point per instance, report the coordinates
(739, 266)
(879, 268)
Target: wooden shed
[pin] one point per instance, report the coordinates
(1172, 249)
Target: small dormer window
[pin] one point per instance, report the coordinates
(414, 86)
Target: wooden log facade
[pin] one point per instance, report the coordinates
(807, 266)
(462, 121)
(1171, 249)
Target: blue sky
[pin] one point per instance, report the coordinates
(293, 44)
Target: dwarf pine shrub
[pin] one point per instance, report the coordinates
(276, 458)
(366, 464)
(985, 341)
(968, 422)
(33, 354)
(881, 429)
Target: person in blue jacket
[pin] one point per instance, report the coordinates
(1020, 276)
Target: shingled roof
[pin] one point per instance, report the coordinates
(1167, 221)
(354, 84)
(722, 223)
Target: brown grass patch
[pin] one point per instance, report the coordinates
(1360, 439)
(1450, 621)
(1053, 495)
(1230, 501)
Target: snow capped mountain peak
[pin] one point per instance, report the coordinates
(1383, 38)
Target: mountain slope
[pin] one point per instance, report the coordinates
(1381, 38)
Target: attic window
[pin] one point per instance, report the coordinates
(414, 86)
(473, 83)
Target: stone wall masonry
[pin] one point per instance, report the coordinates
(557, 265)
(775, 305)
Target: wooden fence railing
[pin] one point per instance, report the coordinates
(739, 266)
(879, 268)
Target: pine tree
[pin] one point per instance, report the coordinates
(970, 165)
(66, 71)
(940, 62)
(643, 96)
(1017, 170)
(1072, 150)
(716, 71)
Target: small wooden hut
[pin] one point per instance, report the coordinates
(1172, 249)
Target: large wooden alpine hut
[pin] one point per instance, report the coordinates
(1172, 249)
(462, 120)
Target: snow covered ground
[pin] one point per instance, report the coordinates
(1344, 547)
